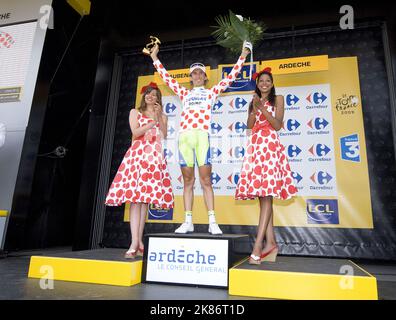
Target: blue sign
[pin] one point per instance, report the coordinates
(159, 214)
(293, 151)
(291, 100)
(216, 128)
(242, 82)
(170, 108)
(350, 148)
(316, 98)
(322, 211)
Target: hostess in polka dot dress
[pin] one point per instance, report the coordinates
(143, 176)
(265, 170)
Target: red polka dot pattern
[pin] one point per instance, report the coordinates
(197, 102)
(142, 172)
(259, 175)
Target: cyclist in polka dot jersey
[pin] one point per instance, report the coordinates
(195, 125)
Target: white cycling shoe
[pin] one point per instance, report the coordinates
(186, 227)
(214, 229)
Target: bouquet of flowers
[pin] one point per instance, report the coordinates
(232, 30)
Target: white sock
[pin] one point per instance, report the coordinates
(188, 216)
(212, 216)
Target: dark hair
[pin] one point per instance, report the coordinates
(143, 105)
(272, 94)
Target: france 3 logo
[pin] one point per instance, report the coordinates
(159, 214)
(6, 40)
(242, 82)
(350, 148)
(238, 127)
(322, 211)
(321, 178)
(319, 150)
(170, 109)
(316, 98)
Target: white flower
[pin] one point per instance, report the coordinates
(239, 17)
(225, 34)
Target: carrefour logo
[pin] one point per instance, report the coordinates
(238, 127)
(319, 150)
(291, 100)
(168, 153)
(293, 151)
(159, 214)
(215, 152)
(171, 131)
(215, 178)
(237, 152)
(217, 106)
(291, 125)
(321, 177)
(318, 123)
(296, 177)
(170, 108)
(238, 103)
(234, 178)
(316, 98)
(182, 256)
(322, 211)
(215, 127)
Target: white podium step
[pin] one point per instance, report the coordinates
(197, 259)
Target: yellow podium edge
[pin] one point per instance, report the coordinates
(86, 270)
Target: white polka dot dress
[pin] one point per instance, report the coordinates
(265, 170)
(143, 176)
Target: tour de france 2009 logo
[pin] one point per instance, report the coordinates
(347, 104)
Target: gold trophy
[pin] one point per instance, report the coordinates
(149, 46)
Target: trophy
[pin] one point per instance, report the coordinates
(149, 46)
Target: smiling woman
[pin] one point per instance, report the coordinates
(265, 172)
(142, 177)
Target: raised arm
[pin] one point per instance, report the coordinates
(226, 82)
(170, 82)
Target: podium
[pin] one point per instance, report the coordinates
(100, 266)
(303, 278)
(196, 259)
